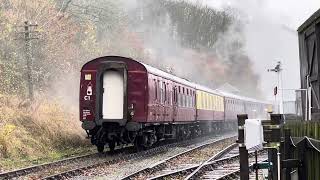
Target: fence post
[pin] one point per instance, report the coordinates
(277, 120)
(302, 171)
(287, 151)
(244, 162)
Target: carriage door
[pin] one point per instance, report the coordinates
(113, 95)
(175, 103)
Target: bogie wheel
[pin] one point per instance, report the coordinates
(112, 146)
(139, 144)
(100, 148)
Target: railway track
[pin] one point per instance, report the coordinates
(82, 171)
(226, 168)
(33, 169)
(185, 159)
(38, 171)
(223, 165)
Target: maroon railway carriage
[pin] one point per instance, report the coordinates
(124, 101)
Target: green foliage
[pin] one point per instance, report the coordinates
(12, 77)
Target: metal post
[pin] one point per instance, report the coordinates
(306, 109)
(309, 98)
(281, 82)
(287, 151)
(244, 162)
(302, 171)
(274, 154)
(28, 59)
(256, 156)
(279, 166)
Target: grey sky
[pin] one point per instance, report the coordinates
(271, 36)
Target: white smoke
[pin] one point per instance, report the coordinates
(270, 30)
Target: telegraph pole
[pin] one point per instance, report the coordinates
(278, 70)
(27, 37)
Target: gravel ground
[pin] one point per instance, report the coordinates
(191, 159)
(124, 168)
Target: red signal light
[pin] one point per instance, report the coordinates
(275, 90)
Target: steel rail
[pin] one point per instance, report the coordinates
(138, 155)
(160, 164)
(214, 157)
(236, 174)
(229, 175)
(36, 168)
(208, 165)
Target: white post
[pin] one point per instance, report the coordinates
(308, 98)
(279, 173)
(281, 82)
(278, 94)
(306, 104)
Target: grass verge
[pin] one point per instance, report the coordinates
(38, 132)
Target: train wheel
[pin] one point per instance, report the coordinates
(112, 146)
(138, 144)
(100, 148)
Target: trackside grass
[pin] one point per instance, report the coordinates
(39, 132)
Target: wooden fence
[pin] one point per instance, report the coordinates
(305, 147)
(310, 129)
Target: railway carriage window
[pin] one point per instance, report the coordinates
(204, 101)
(192, 101)
(160, 91)
(212, 102)
(201, 101)
(176, 100)
(174, 94)
(184, 100)
(217, 104)
(155, 90)
(182, 97)
(165, 92)
(207, 101)
(172, 97)
(188, 101)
